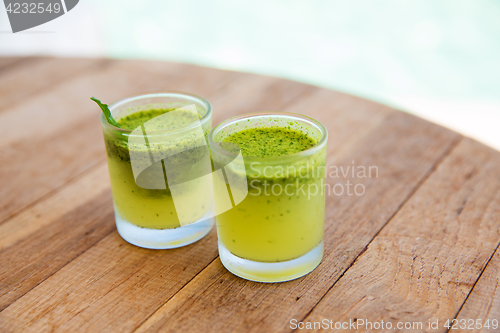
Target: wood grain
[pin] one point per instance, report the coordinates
(425, 261)
(54, 206)
(220, 302)
(335, 111)
(40, 164)
(50, 248)
(8, 61)
(91, 270)
(208, 252)
(483, 302)
(256, 93)
(111, 287)
(63, 138)
(411, 248)
(19, 84)
(68, 104)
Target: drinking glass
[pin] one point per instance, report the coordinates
(160, 172)
(274, 230)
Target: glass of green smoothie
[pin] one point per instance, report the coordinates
(274, 232)
(160, 168)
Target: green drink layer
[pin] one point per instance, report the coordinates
(148, 205)
(134, 120)
(282, 217)
(271, 141)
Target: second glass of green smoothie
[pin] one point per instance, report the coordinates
(160, 168)
(274, 231)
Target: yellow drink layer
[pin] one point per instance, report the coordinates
(282, 217)
(145, 208)
(147, 201)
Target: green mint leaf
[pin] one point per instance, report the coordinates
(107, 113)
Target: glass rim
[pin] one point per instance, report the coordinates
(161, 93)
(307, 152)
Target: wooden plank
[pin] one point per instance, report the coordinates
(54, 206)
(35, 168)
(8, 64)
(256, 93)
(54, 143)
(111, 301)
(67, 104)
(33, 259)
(335, 111)
(8, 61)
(108, 288)
(39, 75)
(423, 264)
(483, 304)
(404, 149)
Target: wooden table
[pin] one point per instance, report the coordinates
(420, 244)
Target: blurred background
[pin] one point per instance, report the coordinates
(437, 59)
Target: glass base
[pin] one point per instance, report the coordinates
(163, 238)
(271, 271)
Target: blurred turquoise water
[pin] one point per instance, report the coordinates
(374, 48)
(438, 59)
